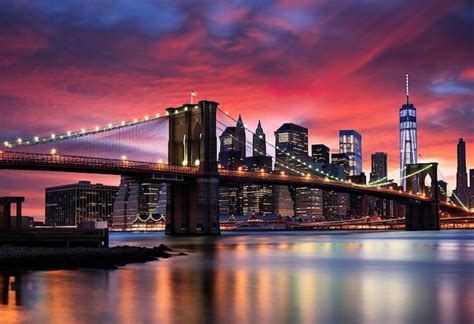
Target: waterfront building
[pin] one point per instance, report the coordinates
(320, 153)
(379, 167)
(72, 204)
(408, 137)
(350, 143)
(138, 200)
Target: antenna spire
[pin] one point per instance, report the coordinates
(407, 91)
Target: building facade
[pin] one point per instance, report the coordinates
(320, 153)
(72, 204)
(379, 166)
(138, 200)
(350, 143)
(342, 160)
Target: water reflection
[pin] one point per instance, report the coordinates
(305, 278)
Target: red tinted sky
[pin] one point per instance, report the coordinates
(327, 65)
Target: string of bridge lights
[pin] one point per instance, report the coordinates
(376, 182)
(88, 131)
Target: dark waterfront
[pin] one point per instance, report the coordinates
(291, 277)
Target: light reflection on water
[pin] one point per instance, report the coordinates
(307, 277)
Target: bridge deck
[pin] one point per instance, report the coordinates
(66, 163)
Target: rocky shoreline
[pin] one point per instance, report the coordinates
(14, 259)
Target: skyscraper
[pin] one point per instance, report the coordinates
(408, 146)
(259, 141)
(350, 143)
(232, 156)
(461, 175)
(232, 147)
(320, 153)
(257, 199)
(379, 166)
(291, 141)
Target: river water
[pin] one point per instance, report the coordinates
(268, 277)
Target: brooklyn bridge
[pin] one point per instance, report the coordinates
(180, 148)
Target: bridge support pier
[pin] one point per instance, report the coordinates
(422, 216)
(192, 206)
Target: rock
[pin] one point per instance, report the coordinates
(46, 258)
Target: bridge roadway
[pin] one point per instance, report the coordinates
(164, 172)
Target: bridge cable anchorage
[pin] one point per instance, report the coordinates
(326, 175)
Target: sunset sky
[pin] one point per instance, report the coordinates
(326, 65)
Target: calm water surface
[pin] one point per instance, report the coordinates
(291, 277)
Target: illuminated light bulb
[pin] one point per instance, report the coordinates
(157, 115)
(83, 130)
(53, 136)
(123, 157)
(68, 133)
(19, 140)
(196, 107)
(227, 113)
(239, 168)
(36, 138)
(185, 108)
(160, 161)
(110, 125)
(61, 137)
(6, 143)
(53, 151)
(185, 162)
(146, 117)
(122, 123)
(197, 162)
(97, 128)
(135, 120)
(282, 173)
(262, 170)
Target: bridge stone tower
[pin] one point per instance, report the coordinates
(423, 215)
(192, 206)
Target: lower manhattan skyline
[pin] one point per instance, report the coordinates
(87, 70)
